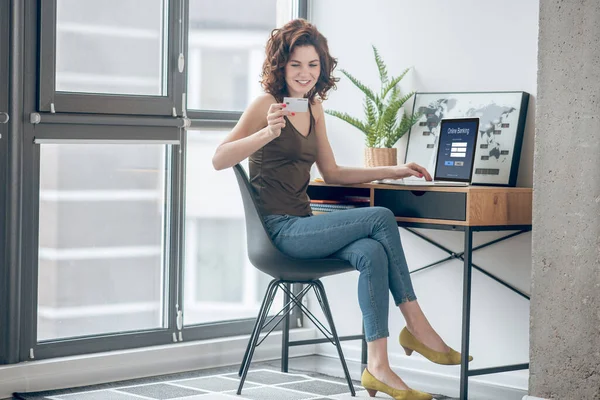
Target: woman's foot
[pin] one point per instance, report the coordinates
(420, 336)
(429, 337)
(418, 325)
(373, 385)
(410, 343)
(387, 376)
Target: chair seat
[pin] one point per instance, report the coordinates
(297, 270)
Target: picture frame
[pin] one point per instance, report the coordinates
(502, 117)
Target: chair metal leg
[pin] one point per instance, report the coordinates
(285, 334)
(262, 307)
(327, 311)
(270, 295)
(363, 348)
(256, 326)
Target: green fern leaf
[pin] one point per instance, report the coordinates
(383, 75)
(391, 118)
(368, 92)
(384, 125)
(405, 124)
(349, 119)
(371, 114)
(393, 83)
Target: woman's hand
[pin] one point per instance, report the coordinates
(410, 169)
(275, 120)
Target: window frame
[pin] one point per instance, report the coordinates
(52, 101)
(9, 101)
(82, 118)
(65, 133)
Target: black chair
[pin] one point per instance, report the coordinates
(286, 270)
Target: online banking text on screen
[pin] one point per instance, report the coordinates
(456, 147)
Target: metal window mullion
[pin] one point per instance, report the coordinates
(47, 60)
(174, 43)
(30, 258)
(90, 134)
(5, 275)
(10, 315)
(177, 239)
(302, 9)
(179, 29)
(28, 179)
(95, 119)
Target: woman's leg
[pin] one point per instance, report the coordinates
(370, 259)
(324, 234)
(347, 235)
(378, 364)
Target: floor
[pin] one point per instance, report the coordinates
(310, 378)
(264, 382)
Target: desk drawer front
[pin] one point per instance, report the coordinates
(423, 204)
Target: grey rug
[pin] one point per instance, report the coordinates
(262, 383)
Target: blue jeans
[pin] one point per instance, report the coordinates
(369, 239)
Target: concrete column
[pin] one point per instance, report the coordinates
(565, 302)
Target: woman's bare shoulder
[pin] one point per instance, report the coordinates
(317, 104)
(317, 107)
(264, 100)
(259, 107)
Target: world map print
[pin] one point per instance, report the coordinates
(501, 124)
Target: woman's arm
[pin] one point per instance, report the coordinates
(259, 124)
(333, 173)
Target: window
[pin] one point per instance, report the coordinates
(111, 57)
(220, 282)
(112, 46)
(99, 260)
(101, 239)
(226, 51)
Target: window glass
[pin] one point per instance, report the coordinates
(111, 46)
(220, 283)
(226, 51)
(101, 239)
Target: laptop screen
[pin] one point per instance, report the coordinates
(456, 149)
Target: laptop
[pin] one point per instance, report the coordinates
(455, 156)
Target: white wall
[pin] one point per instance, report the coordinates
(462, 45)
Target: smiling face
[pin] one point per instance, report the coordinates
(302, 71)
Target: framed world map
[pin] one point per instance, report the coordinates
(501, 124)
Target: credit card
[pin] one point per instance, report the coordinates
(295, 104)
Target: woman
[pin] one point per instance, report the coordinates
(282, 147)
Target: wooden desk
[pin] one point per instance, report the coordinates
(467, 209)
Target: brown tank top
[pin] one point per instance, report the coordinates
(280, 171)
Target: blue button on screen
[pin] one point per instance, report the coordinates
(449, 163)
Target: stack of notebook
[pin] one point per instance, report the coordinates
(345, 203)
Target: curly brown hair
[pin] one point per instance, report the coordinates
(281, 44)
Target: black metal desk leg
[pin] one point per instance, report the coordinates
(285, 335)
(466, 315)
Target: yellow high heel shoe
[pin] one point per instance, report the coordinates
(373, 385)
(410, 344)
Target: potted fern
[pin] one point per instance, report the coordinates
(385, 122)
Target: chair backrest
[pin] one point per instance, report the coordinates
(263, 254)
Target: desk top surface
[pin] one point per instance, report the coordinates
(455, 189)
